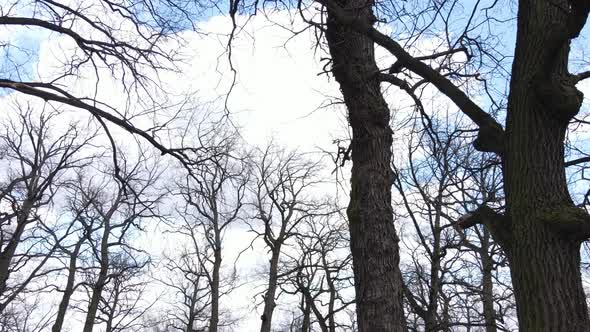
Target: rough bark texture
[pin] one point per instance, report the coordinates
(374, 242)
(544, 253)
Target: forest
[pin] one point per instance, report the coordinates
(309, 165)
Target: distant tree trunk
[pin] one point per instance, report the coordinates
(111, 314)
(545, 252)
(269, 298)
(98, 286)
(305, 306)
(214, 321)
(190, 324)
(487, 300)
(68, 291)
(374, 242)
(306, 322)
(431, 321)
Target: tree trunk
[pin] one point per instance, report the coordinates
(100, 282)
(487, 300)
(190, 323)
(306, 322)
(68, 291)
(8, 253)
(545, 253)
(214, 321)
(374, 242)
(431, 322)
(269, 299)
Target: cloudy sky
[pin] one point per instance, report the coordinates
(280, 95)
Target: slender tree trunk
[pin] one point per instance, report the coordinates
(545, 253)
(487, 299)
(68, 291)
(269, 299)
(374, 242)
(214, 321)
(306, 323)
(111, 314)
(190, 324)
(98, 286)
(431, 321)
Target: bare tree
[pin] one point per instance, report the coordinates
(445, 267)
(37, 159)
(190, 309)
(541, 229)
(320, 270)
(126, 43)
(214, 197)
(25, 315)
(119, 211)
(282, 198)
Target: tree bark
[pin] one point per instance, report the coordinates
(306, 309)
(487, 300)
(214, 321)
(68, 291)
(374, 242)
(8, 253)
(269, 297)
(545, 251)
(98, 286)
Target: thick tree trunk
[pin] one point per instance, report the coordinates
(8, 253)
(545, 254)
(374, 243)
(269, 299)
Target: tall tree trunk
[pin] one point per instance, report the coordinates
(545, 253)
(192, 315)
(306, 321)
(269, 299)
(8, 253)
(431, 321)
(68, 291)
(98, 286)
(374, 242)
(214, 320)
(487, 299)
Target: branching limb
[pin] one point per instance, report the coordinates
(499, 225)
(41, 90)
(491, 134)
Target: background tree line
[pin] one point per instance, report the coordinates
(467, 209)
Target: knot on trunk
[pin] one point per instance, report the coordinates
(572, 222)
(559, 96)
(490, 138)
